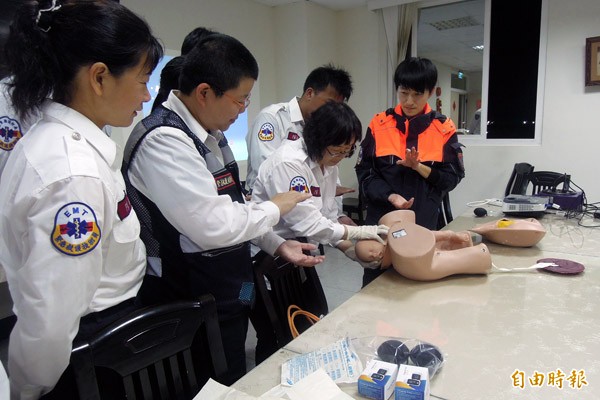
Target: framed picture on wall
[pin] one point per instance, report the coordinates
(592, 61)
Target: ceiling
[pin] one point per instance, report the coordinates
(453, 47)
(333, 4)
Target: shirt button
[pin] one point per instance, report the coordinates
(76, 136)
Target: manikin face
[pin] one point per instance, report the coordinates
(411, 101)
(369, 250)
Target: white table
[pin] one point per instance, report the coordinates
(488, 327)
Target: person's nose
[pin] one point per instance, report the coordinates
(147, 96)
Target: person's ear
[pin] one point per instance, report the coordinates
(201, 93)
(309, 93)
(98, 73)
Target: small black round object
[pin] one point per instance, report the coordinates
(480, 212)
(393, 351)
(426, 355)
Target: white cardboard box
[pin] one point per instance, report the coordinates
(377, 380)
(412, 383)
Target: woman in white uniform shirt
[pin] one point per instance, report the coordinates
(68, 238)
(310, 165)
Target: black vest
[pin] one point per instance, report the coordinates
(224, 272)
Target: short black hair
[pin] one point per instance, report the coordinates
(416, 73)
(333, 124)
(220, 61)
(326, 75)
(169, 79)
(193, 38)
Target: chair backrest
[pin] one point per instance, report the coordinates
(288, 284)
(150, 350)
(518, 181)
(445, 215)
(548, 181)
(355, 206)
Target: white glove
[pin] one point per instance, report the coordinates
(351, 254)
(366, 232)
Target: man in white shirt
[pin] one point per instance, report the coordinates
(184, 184)
(278, 123)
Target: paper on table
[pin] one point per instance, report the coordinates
(316, 386)
(339, 360)
(213, 390)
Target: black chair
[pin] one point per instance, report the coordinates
(288, 284)
(445, 215)
(518, 181)
(150, 350)
(548, 181)
(354, 208)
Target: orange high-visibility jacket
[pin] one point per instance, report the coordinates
(389, 134)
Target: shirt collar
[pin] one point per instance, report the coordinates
(295, 113)
(313, 165)
(95, 136)
(173, 103)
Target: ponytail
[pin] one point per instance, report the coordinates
(50, 41)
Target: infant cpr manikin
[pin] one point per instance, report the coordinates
(420, 254)
(512, 232)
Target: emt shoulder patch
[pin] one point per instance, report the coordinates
(10, 133)
(299, 184)
(76, 231)
(266, 133)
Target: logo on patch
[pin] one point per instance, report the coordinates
(293, 136)
(266, 132)
(224, 181)
(315, 191)
(10, 133)
(76, 231)
(298, 184)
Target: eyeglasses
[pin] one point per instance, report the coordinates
(346, 153)
(241, 104)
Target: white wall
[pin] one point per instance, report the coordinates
(359, 52)
(570, 135)
(289, 41)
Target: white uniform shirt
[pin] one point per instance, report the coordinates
(4, 387)
(290, 168)
(66, 248)
(271, 128)
(169, 170)
(12, 128)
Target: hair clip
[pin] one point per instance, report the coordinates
(52, 8)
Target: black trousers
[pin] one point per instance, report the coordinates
(233, 333)
(266, 340)
(369, 275)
